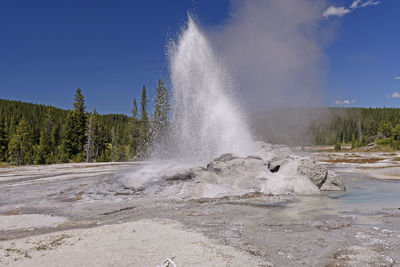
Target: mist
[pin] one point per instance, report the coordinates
(275, 53)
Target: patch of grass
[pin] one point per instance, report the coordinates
(384, 141)
(4, 165)
(54, 243)
(17, 251)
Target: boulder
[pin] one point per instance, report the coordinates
(334, 182)
(229, 165)
(317, 173)
(236, 166)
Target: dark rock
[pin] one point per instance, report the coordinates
(275, 163)
(181, 174)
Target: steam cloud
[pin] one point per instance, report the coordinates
(273, 51)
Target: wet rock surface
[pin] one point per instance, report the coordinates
(337, 228)
(313, 171)
(231, 175)
(333, 182)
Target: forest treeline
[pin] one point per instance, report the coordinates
(358, 126)
(329, 126)
(39, 134)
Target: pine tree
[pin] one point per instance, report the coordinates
(118, 152)
(100, 136)
(133, 131)
(89, 143)
(80, 119)
(160, 120)
(96, 137)
(385, 128)
(46, 146)
(68, 141)
(396, 137)
(75, 128)
(134, 110)
(144, 136)
(3, 142)
(20, 146)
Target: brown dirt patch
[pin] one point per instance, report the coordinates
(390, 154)
(12, 212)
(358, 161)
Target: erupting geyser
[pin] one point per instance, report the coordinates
(207, 122)
(208, 127)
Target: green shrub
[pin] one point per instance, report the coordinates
(338, 146)
(384, 141)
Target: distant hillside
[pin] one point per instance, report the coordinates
(39, 134)
(39, 116)
(12, 111)
(326, 126)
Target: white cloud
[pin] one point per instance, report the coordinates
(397, 78)
(333, 11)
(344, 102)
(370, 3)
(340, 11)
(355, 4)
(395, 95)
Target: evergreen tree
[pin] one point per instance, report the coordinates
(143, 105)
(11, 113)
(46, 147)
(20, 146)
(96, 137)
(133, 131)
(99, 136)
(144, 135)
(118, 152)
(160, 120)
(385, 128)
(3, 142)
(75, 129)
(80, 119)
(68, 140)
(89, 143)
(396, 137)
(134, 110)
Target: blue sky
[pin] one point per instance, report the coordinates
(364, 56)
(111, 48)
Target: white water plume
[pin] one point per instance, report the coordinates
(207, 122)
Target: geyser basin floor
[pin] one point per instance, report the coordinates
(343, 229)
